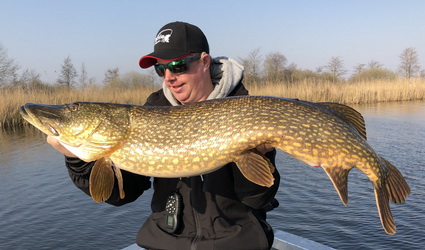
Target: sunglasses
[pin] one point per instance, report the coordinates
(176, 67)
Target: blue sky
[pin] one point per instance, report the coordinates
(104, 34)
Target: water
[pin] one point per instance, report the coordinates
(41, 208)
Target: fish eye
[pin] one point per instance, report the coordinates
(73, 107)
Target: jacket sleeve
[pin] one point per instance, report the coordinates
(134, 185)
(253, 195)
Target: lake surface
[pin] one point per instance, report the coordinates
(40, 207)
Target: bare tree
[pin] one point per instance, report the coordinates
(83, 76)
(252, 66)
(290, 73)
(359, 68)
(68, 73)
(274, 66)
(320, 69)
(8, 68)
(29, 79)
(111, 75)
(336, 67)
(409, 63)
(374, 65)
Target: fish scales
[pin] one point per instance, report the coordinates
(216, 130)
(199, 138)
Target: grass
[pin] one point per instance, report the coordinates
(348, 93)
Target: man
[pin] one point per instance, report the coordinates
(219, 210)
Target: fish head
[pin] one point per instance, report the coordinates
(87, 129)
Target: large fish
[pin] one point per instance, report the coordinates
(199, 138)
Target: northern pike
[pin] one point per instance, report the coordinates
(199, 138)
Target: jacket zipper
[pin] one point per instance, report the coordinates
(197, 223)
(198, 230)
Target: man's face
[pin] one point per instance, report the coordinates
(192, 86)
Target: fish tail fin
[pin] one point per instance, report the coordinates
(395, 189)
(384, 210)
(396, 185)
(339, 178)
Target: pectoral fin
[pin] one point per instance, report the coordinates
(120, 181)
(256, 168)
(101, 180)
(339, 177)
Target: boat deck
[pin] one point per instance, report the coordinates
(282, 241)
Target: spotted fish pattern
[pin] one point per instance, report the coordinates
(199, 138)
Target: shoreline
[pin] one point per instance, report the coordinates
(346, 93)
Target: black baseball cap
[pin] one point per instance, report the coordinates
(174, 41)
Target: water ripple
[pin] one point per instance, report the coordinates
(42, 209)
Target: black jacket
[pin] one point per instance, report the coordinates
(221, 210)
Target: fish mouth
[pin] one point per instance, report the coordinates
(29, 115)
(23, 112)
(51, 129)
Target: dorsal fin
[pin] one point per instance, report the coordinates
(349, 115)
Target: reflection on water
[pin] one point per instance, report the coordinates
(40, 207)
(393, 109)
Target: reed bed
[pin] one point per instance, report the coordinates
(348, 93)
(13, 98)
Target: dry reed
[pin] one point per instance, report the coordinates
(360, 92)
(348, 93)
(12, 99)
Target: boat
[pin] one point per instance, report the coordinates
(282, 241)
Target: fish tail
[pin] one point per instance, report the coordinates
(384, 210)
(395, 189)
(395, 184)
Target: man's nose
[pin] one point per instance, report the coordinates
(168, 75)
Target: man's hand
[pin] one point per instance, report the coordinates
(59, 147)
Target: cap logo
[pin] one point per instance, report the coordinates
(163, 36)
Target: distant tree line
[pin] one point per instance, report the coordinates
(68, 76)
(274, 67)
(271, 68)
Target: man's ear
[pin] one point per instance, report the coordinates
(206, 60)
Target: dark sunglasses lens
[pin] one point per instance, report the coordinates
(178, 67)
(160, 70)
